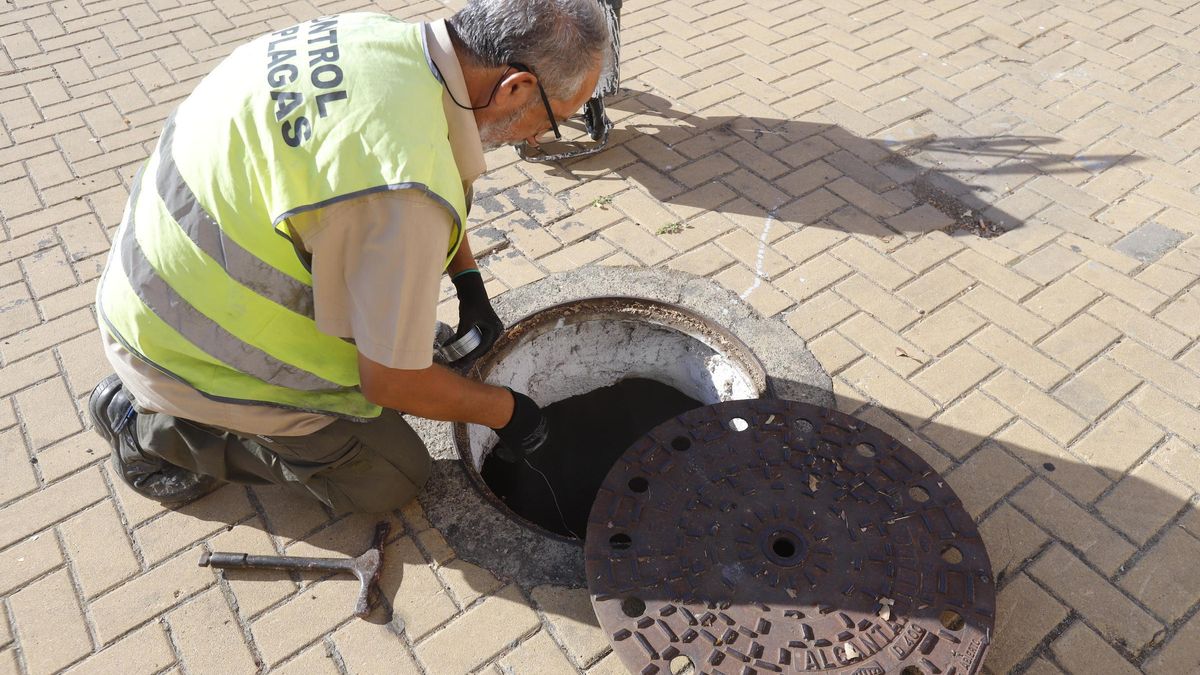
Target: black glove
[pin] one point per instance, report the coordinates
(525, 432)
(475, 309)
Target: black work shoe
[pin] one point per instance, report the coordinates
(114, 417)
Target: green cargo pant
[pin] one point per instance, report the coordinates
(351, 466)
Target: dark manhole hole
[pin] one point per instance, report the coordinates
(808, 540)
(555, 486)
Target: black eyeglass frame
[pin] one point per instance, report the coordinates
(545, 99)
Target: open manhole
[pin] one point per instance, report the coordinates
(607, 370)
(771, 536)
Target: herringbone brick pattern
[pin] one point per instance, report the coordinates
(832, 162)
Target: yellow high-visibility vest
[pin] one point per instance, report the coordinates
(200, 283)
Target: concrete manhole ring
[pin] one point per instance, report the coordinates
(701, 339)
(773, 536)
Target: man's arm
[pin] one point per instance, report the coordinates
(436, 393)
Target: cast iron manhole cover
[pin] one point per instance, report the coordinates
(770, 536)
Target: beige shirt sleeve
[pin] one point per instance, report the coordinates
(377, 262)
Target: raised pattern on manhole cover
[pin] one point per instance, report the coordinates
(771, 536)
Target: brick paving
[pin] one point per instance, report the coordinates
(831, 162)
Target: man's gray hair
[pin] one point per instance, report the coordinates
(559, 39)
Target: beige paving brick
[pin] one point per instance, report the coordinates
(17, 476)
(1183, 313)
(316, 660)
(872, 264)
(1067, 522)
(208, 636)
(1165, 580)
(1097, 388)
(997, 276)
(934, 287)
(1118, 442)
(1011, 539)
(513, 269)
(1114, 615)
(1153, 334)
(894, 351)
(1062, 299)
(146, 650)
(1181, 654)
(964, 425)
(179, 528)
(1166, 278)
(488, 627)
(468, 582)
(812, 277)
(1167, 412)
(1180, 460)
(944, 328)
(1080, 649)
(1116, 284)
(303, 619)
(1102, 254)
(50, 623)
(1079, 341)
(28, 560)
(877, 302)
(1143, 502)
(875, 380)
(1024, 615)
(589, 250)
(48, 411)
(1049, 263)
(1032, 404)
(927, 250)
(1005, 313)
(417, 595)
(834, 352)
(1051, 461)
(761, 294)
(818, 314)
(986, 477)
(50, 505)
(146, 596)
(570, 617)
(47, 334)
(953, 374)
(19, 309)
(99, 548)
(1164, 373)
(754, 253)
(435, 546)
(370, 648)
(538, 654)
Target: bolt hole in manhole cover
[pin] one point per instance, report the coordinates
(778, 536)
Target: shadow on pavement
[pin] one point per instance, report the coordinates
(822, 174)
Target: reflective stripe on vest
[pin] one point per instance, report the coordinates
(199, 283)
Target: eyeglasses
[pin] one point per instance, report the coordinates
(545, 99)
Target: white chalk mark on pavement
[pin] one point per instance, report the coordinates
(762, 252)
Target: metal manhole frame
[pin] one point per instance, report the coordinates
(615, 307)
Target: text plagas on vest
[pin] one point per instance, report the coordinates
(323, 72)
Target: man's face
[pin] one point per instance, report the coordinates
(518, 113)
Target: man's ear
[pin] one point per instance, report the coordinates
(515, 90)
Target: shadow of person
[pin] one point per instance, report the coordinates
(811, 173)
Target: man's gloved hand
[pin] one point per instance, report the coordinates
(525, 432)
(475, 309)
